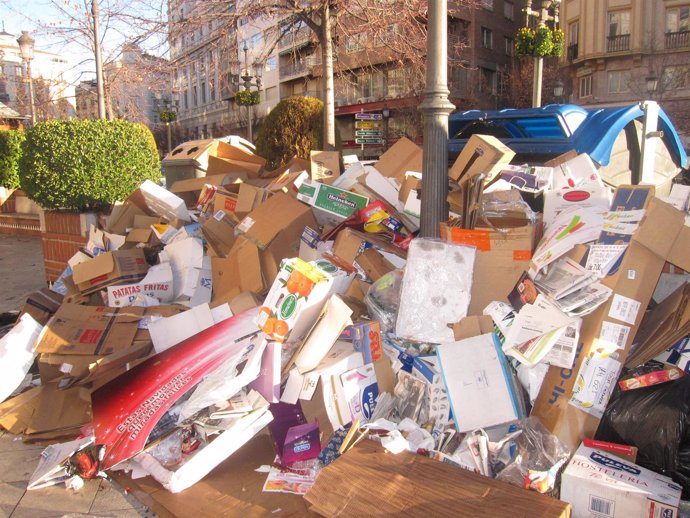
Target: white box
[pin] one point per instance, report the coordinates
(600, 485)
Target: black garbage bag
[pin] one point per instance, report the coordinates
(656, 419)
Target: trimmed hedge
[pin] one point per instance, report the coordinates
(10, 153)
(293, 128)
(86, 164)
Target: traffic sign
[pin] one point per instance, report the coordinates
(378, 141)
(368, 133)
(369, 116)
(367, 125)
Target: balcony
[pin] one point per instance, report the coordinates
(572, 52)
(619, 43)
(294, 38)
(677, 40)
(294, 70)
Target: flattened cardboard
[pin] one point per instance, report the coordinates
(353, 487)
(122, 215)
(402, 156)
(482, 154)
(219, 231)
(659, 236)
(60, 409)
(218, 166)
(252, 164)
(110, 268)
(98, 330)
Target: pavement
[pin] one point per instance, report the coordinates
(21, 264)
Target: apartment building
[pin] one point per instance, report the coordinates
(624, 51)
(367, 77)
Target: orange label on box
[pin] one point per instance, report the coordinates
(522, 255)
(230, 204)
(480, 239)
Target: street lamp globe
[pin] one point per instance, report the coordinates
(26, 46)
(558, 89)
(652, 82)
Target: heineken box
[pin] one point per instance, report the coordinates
(330, 201)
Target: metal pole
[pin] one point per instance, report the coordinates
(31, 93)
(99, 60)
(435, 109)
(249, 123)
(536, 89)
(169, 137)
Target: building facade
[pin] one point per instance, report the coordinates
(624, 51)
(367, 78)
(53, 93)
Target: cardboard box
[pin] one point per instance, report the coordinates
(163, 203)
(92, 330)
(237, 273)
(374, 264)
(233, 151)
(331, 200)
(41, 305)
(122, 214)
(218, 166)
(597, 483)
(401, 157)
(295, 300)
(661, 235)
(325, 166)
(110, 268)
(190, 190)
(157, 284)
(502, 256)
(482, 154)
(356, 486)
(219, 231)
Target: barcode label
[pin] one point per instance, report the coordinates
(614, 334)
(601, 506)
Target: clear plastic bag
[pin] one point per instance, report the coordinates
(537, 460)
(383, 299)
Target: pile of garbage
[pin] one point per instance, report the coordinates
(542, 341)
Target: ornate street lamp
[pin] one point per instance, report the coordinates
(26, 50)
(246, 97)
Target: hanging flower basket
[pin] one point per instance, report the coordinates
(542, 42)
(168, 116)
(247, 97)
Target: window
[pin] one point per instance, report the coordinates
(487, 4)
(619, 23)
(243, 21)
(256, 41)
(487, 38)
(586, 86)
(370, 85)
(194, 96)
(356, 42)
(488, 81)
(508, 10)
(203, 93)
(619, 81)
(271, 63)
(272, 93)
(509, 46)
(185, 97)
(459, 33)
(573, 33)
(678, 19)
(397, 86)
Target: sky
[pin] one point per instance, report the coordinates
(52, 24)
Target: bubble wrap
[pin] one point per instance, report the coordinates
(435, 290)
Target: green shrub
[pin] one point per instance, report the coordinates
(86, 164)
(10, 152)
(293, 128)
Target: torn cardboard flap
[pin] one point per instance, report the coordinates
(402, 156)
(325, 166)
(483, 154)
(109, 268)
(239, 272)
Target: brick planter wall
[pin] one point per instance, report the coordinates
(63, 234)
